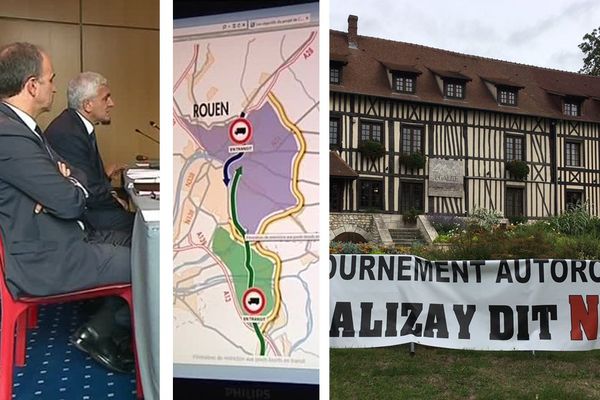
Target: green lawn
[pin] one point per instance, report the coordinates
(391, 373)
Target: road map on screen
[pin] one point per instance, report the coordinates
(246, 211)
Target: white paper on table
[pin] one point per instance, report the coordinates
(151, 215)
(143, 173)
(146, 180)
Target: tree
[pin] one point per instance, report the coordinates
(591, 49)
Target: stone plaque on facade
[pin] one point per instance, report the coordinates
(446, 177)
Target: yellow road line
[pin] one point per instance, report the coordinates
(275, 258)
(299, 205)
(234, 232)
(296, 167)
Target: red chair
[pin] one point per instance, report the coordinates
(19, 313)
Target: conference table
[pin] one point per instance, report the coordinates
(145, 280)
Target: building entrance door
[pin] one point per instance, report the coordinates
(411, 196)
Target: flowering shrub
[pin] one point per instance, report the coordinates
(484, 218)
(366, 248)
(445, 224)
(575, 221)
(574, 234)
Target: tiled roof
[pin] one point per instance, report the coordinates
(402, 68)
(540, 94)
(502, 82)
(450, 74)
(339, 168)
(339, 58)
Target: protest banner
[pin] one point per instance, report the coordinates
(384, 300)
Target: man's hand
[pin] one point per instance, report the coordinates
(123, 203)
(114, 169)
(119, 200)
(63, 169)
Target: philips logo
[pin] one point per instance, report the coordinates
(247, 394)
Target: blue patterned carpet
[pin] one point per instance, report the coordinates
(56, 370)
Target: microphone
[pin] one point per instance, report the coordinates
(154, 125)
(143, 160)
(146, 135)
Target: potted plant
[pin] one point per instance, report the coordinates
(410, 216)
(413, 160)
(371, 149)
(518, 169)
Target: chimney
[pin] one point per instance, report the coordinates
(352, 31)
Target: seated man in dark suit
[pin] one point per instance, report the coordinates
(47, 250)
(72, 135)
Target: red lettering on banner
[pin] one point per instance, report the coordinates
(584, 317)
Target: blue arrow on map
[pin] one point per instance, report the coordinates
(226, 167)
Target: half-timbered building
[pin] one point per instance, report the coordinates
(454, 127)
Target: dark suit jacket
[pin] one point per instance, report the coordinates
(69, 138)
(45, 253)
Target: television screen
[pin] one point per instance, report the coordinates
(246, 196)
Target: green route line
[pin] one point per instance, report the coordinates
(241, 230)
(236, 179)
(248, 255)
(248, 264)
(261, 339)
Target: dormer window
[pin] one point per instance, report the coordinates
(402, 78)
(572, 107)
(404, 83)
(452, 84)
(335, 73)
(507, 96)
(505, 91)
(571, 103)
(454, 89)
(336, 65)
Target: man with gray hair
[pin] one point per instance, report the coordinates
(72, 135)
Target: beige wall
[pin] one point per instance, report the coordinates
(117, 38)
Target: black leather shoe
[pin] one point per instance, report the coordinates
(107, 354)
(102, 349)
(85, 338)
(125, 350)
